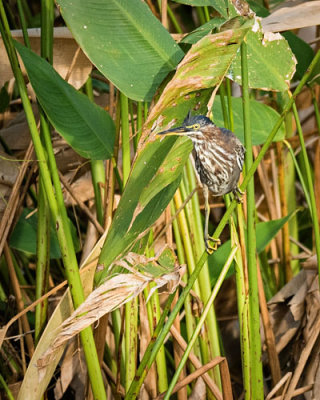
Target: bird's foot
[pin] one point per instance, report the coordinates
(211, 244)
(238, 194)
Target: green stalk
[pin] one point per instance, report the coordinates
(125, 137)
(6, 388)
(256, 387)
(23, 24)
(43, 261)
(222, 93)
(153, 347)
(138, 125)
(302, 181)
(313, 209)
(204, 314)
(242, 300)
(189, 318)
(131, 308)
(196, 226)
(174, 20)
(154, 313)
(97, 168)
(58, 212)
(229, 97)
(43, 229)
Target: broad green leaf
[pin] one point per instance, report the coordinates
(303, 52)
(271, 63)
(87, 128)
(24, 235)
(219, 5)
(203, 30)
(263, 119)
(154, 178)
(265, 232)
(125, 41)
(203, 67)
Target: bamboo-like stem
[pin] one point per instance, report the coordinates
(256, 387)
(43, 228)
(23, 24)
(43, 261)
(131, 308)
(196, 227)
(97, 169)
(6, 388)
(201, 321)
(189, 318)
(154, 313)
(125, 136)
(152, 348)
(58, 211)
(313, 210)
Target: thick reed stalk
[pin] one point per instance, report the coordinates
(256, 387)
(57, 208)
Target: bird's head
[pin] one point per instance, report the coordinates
(195, 127)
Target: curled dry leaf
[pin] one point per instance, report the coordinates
(287, 18)
(64, 54)
(114, 293)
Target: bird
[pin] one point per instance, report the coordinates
(218, 158)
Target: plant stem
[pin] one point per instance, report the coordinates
(313, 210)
(201, 321)
(256, 386)
(153, 347)
(23, 24)
(57, 209)
(97, 169)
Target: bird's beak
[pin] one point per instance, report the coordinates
(179, 131)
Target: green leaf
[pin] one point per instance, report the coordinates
(203, 67)
(125, 41)
(265, 232)
(219, 5)
(271, 63)
(203, 30)
(154, 178)
(24, 235)
(263, 119)
(87, 128)
(303, 52)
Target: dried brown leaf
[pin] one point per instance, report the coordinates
(64, 51)
(287, 18)
(112, 294)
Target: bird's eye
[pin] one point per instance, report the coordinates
(196, 126)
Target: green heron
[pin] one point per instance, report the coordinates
(218, 156)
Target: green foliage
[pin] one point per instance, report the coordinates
(265, 232)
(114, 33)
(302, 51)
(271, 64)
(154, 178)
(219, 5)
(85, 126)
(262, 119)
(24, 235)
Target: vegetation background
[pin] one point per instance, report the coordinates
(106, 290)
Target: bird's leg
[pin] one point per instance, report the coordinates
(238, 193)
(210, 242)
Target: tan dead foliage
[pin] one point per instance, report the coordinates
(112, 294)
